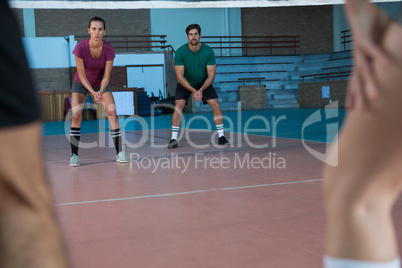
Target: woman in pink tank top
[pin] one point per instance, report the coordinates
(94, 59)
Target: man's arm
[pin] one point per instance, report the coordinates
(179, 69)
(211, 69)
(30, 236)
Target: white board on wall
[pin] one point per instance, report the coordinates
(150, 77)
(124, 102)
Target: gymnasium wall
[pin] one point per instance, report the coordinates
(312, 23)
(310, 94)
(58, 22)
(213, 22)
(171, 80)
(64, 23)
(49, 60)
(53, 64)
(20, 20)
(394, 9)
(49, 79)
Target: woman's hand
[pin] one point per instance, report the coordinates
(98, 97)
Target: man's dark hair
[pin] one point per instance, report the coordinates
(97, 19)
(193, 26)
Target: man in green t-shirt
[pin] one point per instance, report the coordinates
(195, 69)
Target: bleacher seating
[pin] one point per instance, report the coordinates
(281, 73)
(144, 105)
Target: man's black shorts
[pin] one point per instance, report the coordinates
(183, 94)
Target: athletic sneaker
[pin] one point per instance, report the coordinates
(223, 141)
(74, 160)
(172, 144)
(122, 157)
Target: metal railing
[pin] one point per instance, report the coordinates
(346, 37)
(133, 43)
(342, 75)
(262, 45)
(248, 45)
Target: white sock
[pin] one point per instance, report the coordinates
(330, 262)
(175, 132)
(219, 128)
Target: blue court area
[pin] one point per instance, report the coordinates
(319, 125)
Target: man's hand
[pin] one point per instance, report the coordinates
(197, 95)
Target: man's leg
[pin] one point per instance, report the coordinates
(218, 120)
(216, 109)
(28, 232)
(176, 121)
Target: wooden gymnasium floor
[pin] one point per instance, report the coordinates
(239, 206)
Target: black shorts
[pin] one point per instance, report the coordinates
(80, 88)
(183, 94)
(18, 100)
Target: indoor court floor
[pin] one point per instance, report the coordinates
(257, 203)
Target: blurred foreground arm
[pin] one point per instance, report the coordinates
(368, 24)
(29, 236)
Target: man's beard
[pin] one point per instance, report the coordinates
(194, 44)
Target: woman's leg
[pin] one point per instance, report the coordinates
(77, 103)
(110, 109)
(362, 189)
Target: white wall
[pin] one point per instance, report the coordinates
(340, 23)
(148, 77)
(29, 22)
(139, 59)
(47, 52)
(392, 8)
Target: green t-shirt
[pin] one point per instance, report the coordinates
(195, 63)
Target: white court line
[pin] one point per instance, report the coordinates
(183, 193)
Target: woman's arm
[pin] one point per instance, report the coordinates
(81, 73)
(106, 76)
